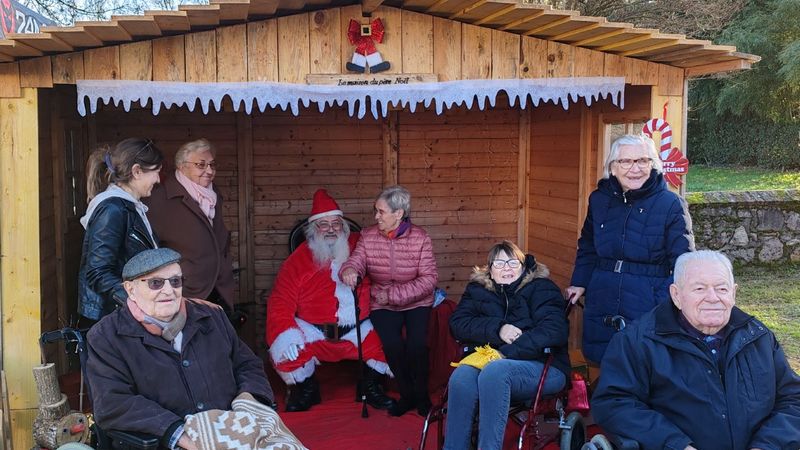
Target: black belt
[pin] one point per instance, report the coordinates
(333, 331)
(634, 268)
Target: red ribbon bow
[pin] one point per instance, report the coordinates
(365, 45)
(675, 166)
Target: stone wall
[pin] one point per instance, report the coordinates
(756, 227)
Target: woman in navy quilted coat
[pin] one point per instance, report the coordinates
(634, 231)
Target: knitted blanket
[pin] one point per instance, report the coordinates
(248, 426)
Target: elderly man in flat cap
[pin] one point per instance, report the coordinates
(165, 365)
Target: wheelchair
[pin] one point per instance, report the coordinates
(99, 439)
(561, 408)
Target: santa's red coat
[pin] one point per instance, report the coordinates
(304, 295)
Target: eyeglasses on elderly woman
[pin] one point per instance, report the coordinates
(500, 263)
(157, 284)
(627, 163)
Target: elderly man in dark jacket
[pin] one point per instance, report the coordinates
(699, 372)
(164, 357)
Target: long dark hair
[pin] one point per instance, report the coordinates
(115, 165)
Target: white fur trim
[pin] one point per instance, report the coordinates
(301, 373)
(333, 212)
(374, 58)
(351, 336)
(359, 59)
(346, 312)
(304, 333)
(380, 367)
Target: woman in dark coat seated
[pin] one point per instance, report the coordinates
(512, 306)
(634, 231)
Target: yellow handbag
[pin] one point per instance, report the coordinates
(480, 357)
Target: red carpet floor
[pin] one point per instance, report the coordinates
(336, 423)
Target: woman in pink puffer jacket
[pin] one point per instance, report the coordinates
(398, 257)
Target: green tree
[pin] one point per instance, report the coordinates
(753, 117)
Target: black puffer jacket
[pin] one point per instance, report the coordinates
(115, 233)
(532, 303)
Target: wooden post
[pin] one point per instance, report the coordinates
(389, 128)
(675, 118)
(523, 178)
(20, 294)
(244, 136)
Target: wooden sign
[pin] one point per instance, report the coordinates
(371, 80)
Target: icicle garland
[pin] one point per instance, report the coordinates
(287, 96)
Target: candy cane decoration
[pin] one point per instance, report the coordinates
(662, 126)
(675, 164)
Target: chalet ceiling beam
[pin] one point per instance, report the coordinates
(677, 54)
(600, 37)
(18, 49)
(496, 14)
(547, 26)
(45, 42)
(436, 4)
(625, 42)
(467, 9)
(724, 66)
(650, 48)
(522, 20)
(583, 29)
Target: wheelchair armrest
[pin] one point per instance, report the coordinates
(129, 440)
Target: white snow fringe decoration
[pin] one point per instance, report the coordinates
(263, 95)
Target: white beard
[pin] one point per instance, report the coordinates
(326, 252)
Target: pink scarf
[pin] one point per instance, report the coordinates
(167, 330)
(204, 196)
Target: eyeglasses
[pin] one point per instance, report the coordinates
(500, 263)
(202, 165)
(627, 163)
(325, 226)
(157, 284)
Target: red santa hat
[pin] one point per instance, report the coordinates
(324, 205)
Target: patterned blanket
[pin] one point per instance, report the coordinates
(249, 426)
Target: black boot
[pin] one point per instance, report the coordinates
(401, 407)
(303, 396)
(374, 391)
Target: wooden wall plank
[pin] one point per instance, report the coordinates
(346, 13)
(476, 52)
(533, 54)
(417, 42)
(641, 72)
(446, 49)
(169, 59)
(587, 63)
(505, 55)
(325, 41)
(391, 146)
(101, 63)
(36, 72)
(201, 57)
(614, 66)
(391, 48)
(670, 80)
(559, 60)
(67, 67)
(262, 50)
(20, 292)
(136, 61)
(523, 178)
(293, 50)
(232, 53)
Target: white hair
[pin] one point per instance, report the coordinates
(397, 197)
(641, 140)
(323, 251)
(700, 256)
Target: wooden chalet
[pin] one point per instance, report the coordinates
(477, 175)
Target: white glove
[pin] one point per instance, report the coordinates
(293, 351)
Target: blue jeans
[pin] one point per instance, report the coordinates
(493, 388)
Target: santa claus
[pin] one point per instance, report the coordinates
(311, 313)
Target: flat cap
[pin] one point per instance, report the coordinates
(149, 261)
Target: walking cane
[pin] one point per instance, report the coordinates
(360, 390)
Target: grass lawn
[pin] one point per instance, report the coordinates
(706, 178)
(773, 295)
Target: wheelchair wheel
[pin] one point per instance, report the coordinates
(573, 436)
(598, 442)
(75, 446)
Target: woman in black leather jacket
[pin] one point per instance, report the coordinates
(511, 305)
(115, 221)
